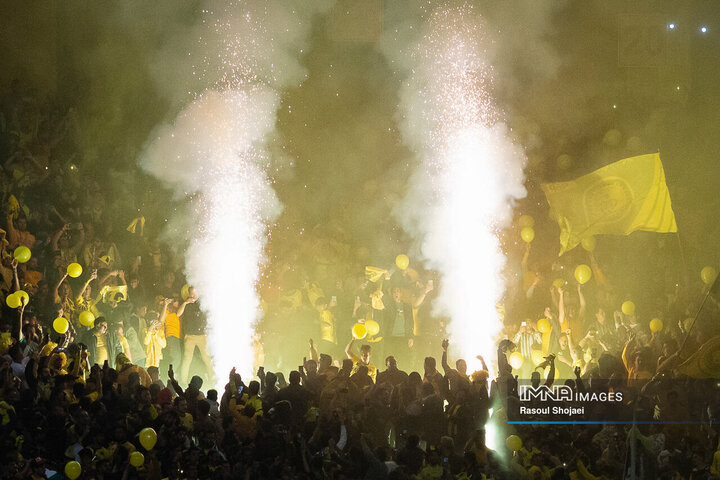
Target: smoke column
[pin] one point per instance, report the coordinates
(469, 172)
(214, 158)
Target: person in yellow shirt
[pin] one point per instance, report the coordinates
(84, 300)
(18, 234)
(251, 397)
(173, 311)
(64, 297)
(363, 359)
(328, 331)
(154, 344)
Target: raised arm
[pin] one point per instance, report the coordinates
(583, 305)
(174, 383)
(626, 352)
(15, 274)
(482, 362)
(419, 300)
(551, 373)
(571, 344)
(163, 313)
(121, 276)
(313, 352)
(578, 379)
(348, 349)
(446, 367)
(112, 273)
(181, 310)
(12, 233)
(57, 287)
(93, 276)
(58, 235)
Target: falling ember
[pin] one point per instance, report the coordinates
(468, 176)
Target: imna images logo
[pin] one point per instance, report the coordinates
(564, 393)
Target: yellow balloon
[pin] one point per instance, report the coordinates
(137, 459)
(588, 243)
(656, 325)
(515, 359)
(402, 261)
(185, 291)
(527, 234)
(537, 357)
(359, 331)
(23, 296)
(372, 327)
(708, 275)
(87, 318)
(148, 437)
(13, 300)
(74, 270)
(22, 254)
(558, 282)
(543, 325)
(60, 325)
(628, 308)
(583, 273)
(526, 221)
(73, 470)
(514, 443)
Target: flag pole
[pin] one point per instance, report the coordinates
(715, 286)
(679, 241)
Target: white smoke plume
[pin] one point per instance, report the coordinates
(214, 155)
(468, 174)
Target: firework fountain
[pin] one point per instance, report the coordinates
(214, 158)
(469, 172)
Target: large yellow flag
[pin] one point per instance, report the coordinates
(618, 199)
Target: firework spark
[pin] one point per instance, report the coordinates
(215, 157)
(468, 177)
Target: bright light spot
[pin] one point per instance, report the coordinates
(703, 29)
(491, 433)
(677, 88)
(671, 26)
(614, 106)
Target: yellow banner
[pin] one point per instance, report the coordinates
(617, 199)
(705, 362)
(374, 274)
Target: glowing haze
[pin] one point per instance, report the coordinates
(468, 174)
(214, 157)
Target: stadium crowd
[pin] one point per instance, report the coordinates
(377, 407)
